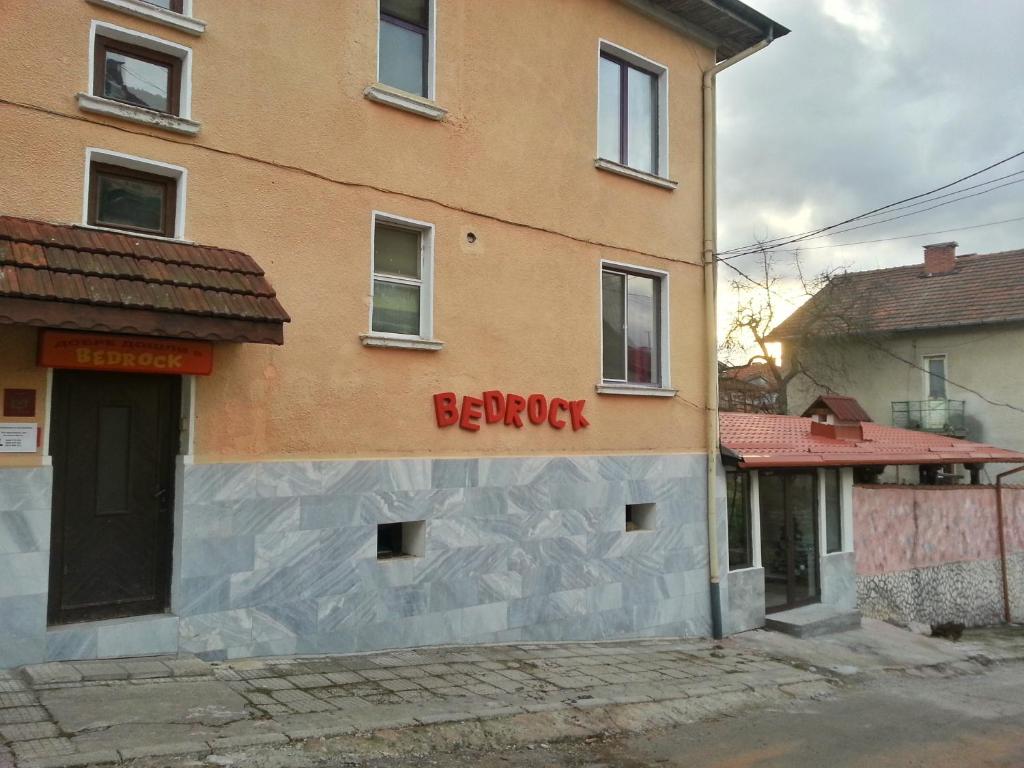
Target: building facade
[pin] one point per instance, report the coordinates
(434, 273)
(931, 346)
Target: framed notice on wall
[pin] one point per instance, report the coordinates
(18, 438)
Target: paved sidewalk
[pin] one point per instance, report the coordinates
(81, 713)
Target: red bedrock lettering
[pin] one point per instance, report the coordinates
(470, 413)
(445, 409)
(579, 421)
(557, 404)
(494, 406)
(537, 408)
(514, 405)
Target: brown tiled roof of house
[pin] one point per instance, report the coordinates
(61, 276)
(983, 289)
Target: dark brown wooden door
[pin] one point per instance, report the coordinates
(113, 440)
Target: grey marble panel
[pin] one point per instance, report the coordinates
(744, 600)
(25, 489)
(215, 556)
(455, 473)
(215, 631)
(284, 621)
(336, 613)
(25, 530)
(282, 550)
(241, 517)
(71, 643)
(202, 594)
(22, 630)
(26, 573)
(839, 580)
(139, 636)
(205, 483)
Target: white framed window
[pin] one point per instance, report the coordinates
(132, 194)
(176, 14)
(139, 77)
(406, 43)
(935, 377)
(634, 330)
(401, 285)
(632, 115)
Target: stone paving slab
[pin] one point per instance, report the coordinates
(164, 707)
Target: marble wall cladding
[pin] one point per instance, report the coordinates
(24, 564)
(279, 558)
(839, 580)
(743, 600)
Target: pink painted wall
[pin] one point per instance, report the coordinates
(897, 528)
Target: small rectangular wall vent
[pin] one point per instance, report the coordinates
(640, 517)
(397, 540)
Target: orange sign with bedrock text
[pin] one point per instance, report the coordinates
(128, 354)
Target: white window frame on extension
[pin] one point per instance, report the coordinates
(425, 340)
(424, 106)
(183, 22)
(614, 165)
(90, 102)
(154, 167)
(664, 386)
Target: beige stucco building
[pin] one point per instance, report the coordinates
(932, 346)
(416, 198)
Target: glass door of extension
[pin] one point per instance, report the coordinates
(789, 539)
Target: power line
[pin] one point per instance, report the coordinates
(810, 233)
(871, 223)
(905, 237)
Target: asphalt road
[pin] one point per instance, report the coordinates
(966, 722)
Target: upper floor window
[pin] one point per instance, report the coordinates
(632, 105)
(178, 6)
(402, 272)
(404, 45)
(633, 325)
(132, 194)
(139, 77)
(135, 75)
(936, 377)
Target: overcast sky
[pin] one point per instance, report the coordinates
(864, 103)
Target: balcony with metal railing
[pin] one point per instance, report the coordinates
(944, 417)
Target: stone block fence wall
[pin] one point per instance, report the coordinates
(931, 553)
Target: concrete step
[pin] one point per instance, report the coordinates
(812, 620)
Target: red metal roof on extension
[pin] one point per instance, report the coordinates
(762, 440)
(76, 278)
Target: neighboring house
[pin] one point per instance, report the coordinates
(747, 389)
(379, 324)
(934, 346)
(790, 503)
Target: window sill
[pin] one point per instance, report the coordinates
(111, 108)
(417, 105)
(632, 173)
(635, 389)
(149, 12)
(130, 233)
(385, 341)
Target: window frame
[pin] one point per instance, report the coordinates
(827, 526)
(128, 165)
(429, 49)
(102, 44)
(927, 359)
(426, 279)
(181, 20)
(630, 59)
(147, 46)
(750, 482)
(663, 370)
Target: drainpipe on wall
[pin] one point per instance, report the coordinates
(1001, 522)
(711, 320)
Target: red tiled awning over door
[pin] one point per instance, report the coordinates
(76, 278)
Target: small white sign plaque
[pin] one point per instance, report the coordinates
(18, 438)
